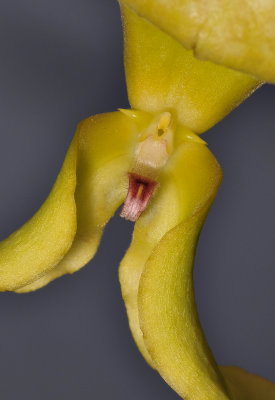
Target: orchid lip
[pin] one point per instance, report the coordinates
(139, 194)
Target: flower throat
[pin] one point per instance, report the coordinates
(153, 149)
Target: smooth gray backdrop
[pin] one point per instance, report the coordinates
(61, 61)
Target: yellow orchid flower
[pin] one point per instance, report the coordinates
(152, 159)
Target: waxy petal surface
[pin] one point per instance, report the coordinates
(188, 180)
(156, 272)
(157, 284)
(43, 241)
(64, 234)
(240, 35)
(162, 75)
(170, 325)
(168, 315)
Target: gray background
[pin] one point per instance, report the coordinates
(61, 61)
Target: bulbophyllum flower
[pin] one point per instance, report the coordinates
(152, 160)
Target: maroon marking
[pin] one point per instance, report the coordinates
(139, 193)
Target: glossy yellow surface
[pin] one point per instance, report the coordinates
(156, 272)
(42, 242)
(64, 234)
(190, 177)
(162, 75)
(168, 316)
(238, 34)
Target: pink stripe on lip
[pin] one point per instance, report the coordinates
(139, 193)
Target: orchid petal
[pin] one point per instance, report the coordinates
(190, 177)
(64, 234)
(162, 75)
(239, 35)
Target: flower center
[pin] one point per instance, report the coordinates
(153, 149)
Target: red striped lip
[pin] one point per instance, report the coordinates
(139, 193)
